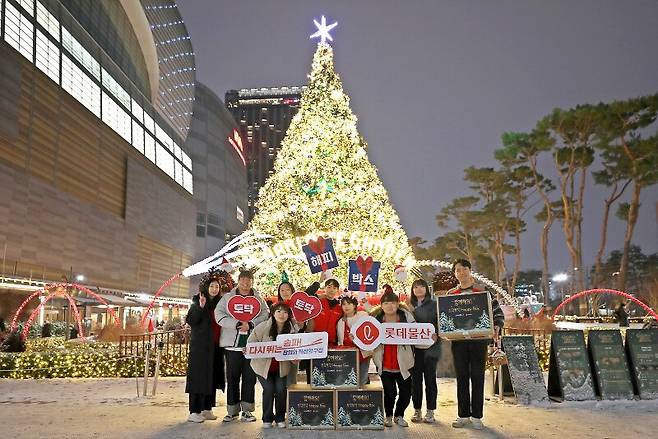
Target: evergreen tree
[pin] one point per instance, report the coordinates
(344, 418)
(294, 418)
(318, 378)
(377, 418)
(323, 183)
(328, 418)
(446, 323)
(484, 322)
(352, 379)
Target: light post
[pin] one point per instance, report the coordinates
(561, 278)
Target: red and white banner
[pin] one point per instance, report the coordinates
(304, 307)
(369, 333)
(243, 308)
(288, 347)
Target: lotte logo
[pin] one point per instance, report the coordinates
(367, 333)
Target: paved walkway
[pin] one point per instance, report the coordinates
(108, 408)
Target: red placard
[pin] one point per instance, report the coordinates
(304, 307)
(243, 308)
(366, 333)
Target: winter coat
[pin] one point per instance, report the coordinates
(425, 312)
(340, 328)
(405, 353)
(230, 335)
(261, 366)
(205, 364)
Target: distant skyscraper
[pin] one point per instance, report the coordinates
(263, 115)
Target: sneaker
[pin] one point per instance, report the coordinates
(400, 421)
(281, 424)
(388, 422)
(267, 425)
(248, 417)
(208, 415)
(230, 418)
(195, 417)
(429, 417)
(461, 422)
(477, 423)
(417, 417)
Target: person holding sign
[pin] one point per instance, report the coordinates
(425, 357)
(205, 364)
(271, 373)
(233, 338)
(344, 336)
(394, 362)
(331, 312)
(470, 356)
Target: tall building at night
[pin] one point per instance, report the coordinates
(263, 115)
(97, 181)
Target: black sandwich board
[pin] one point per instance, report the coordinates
(569, 372)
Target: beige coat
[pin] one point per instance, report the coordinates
(405, 353)
(261, 366)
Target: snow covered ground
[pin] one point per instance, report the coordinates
(109, 408)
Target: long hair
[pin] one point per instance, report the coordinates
(287, 326)
(413, 300)
(278, 290)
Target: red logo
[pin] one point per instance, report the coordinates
(304, 307)
(366, 333)
(243, 308)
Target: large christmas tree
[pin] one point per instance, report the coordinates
(323, 184)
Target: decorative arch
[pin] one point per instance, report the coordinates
(604, 291)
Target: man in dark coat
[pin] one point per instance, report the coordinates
(205, 367)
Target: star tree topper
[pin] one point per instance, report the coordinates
(323, 30)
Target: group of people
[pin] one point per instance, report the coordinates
(217, 361)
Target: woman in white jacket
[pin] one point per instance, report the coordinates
(344, 336)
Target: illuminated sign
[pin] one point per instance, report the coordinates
(236, 141)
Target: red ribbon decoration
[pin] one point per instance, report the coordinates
(364, 266)
(318, 246)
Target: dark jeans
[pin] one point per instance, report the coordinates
(424, 367)
(392, 381)
(200, 402)
(470, 361)
(239, 367)
(274, 397)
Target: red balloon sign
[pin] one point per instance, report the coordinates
(243, 308)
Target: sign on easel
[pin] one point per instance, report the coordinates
(569, 372)
(525, 375)
(612, 377)
(642, 348)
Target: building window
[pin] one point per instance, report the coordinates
(28, 5)
(201, 225)
(164, 160)
(239, 214)
(149, 147)
(80, 86)
(116, 118)
(148, 123)
(80, 53)
(19, 31)
(137, 111)
(138, 137)
(48, 21)
(187, 181)
(47, 57)
(113, 87)
(164, 138)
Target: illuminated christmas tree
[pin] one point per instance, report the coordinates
(323, 184)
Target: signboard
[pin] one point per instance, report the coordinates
(339, 369)
(569, 372)
(363, 274)
(465, 316)
(288, 347)
(320, 254)
(526, 376)
(369, 333)
(361, 409)
(642, 348)
(611, 374)
(243, 308)
(310, 409)
(304, 307)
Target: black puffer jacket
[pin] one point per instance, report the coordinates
(201, 358)
(425, 312)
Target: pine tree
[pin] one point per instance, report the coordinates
(446, 323)
(352, 379)
(317, 378)
(294, 419)
(324, 183)
(328, 418)
(344, 418)
(484, 322)
(377, 418)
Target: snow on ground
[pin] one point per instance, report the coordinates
(109, 408)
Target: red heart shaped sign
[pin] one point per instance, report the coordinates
(366, 333)
(243, 308)
(317, 245)
(304, 307)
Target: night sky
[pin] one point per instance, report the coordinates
(435, 83)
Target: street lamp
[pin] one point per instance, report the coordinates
(80, 278)
(560, 278)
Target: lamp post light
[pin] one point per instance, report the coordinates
(561, 278)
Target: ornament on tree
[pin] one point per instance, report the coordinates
(400, 273)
